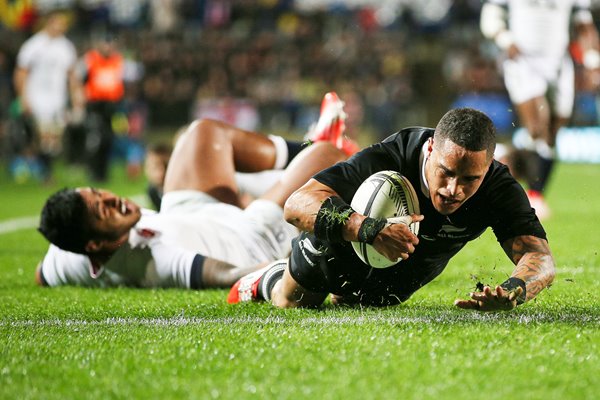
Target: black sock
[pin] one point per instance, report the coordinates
(270, 278)
(545, 166)
(293, 149)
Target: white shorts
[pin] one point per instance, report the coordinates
(185, 201)
(260, 231)
(529, 77)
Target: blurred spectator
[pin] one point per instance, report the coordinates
(6, 96)
(238, 112)
(104, 90)
(405, 61)
(44, 73)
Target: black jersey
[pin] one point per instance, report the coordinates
(500, 203)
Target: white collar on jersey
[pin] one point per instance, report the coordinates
(422, 161)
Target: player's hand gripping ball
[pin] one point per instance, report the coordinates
(385, 194)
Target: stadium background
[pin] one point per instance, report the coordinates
(396, 63)
(265, 64)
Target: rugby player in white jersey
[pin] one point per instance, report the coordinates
(201, 238)
(538, 69)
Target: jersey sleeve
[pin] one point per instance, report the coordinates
(60, 267)
(512, 214)
(26, 55)
(158, 264)
(71, 53)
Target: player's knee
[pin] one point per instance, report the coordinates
(201, 128)
(280, 299)
(282, 302)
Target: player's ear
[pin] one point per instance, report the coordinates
(430, 145)
(94, 246)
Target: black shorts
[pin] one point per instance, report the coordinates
(321, 268)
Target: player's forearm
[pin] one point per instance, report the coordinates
(302, 207)
(537, 270)
(534, 264)
(76, 90)
(19, 81)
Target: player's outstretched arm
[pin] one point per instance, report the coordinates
(533, 272)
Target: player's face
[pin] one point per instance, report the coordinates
(110, 216)
(58, 24)
(454, 174)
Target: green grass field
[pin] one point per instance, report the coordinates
(127, 343)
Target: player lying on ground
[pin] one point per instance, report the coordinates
(461, 191)
(201, 238)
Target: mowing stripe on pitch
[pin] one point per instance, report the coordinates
(533, 318)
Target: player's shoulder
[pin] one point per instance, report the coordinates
(407, 143)
(500, 184)
(498, 171)
(32, 44)
(410, 134)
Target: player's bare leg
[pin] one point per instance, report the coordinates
(274, 283)
(535, 116)
(287, 293)
(313, 159)
(208, 154)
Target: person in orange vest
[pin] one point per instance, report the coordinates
(104, 90)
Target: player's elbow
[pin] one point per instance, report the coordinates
(39, 277)
(290, 210)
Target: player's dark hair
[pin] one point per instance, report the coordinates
(468, 128)
(161, 149)
(64, 221)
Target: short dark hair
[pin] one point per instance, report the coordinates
(468, 128)
(160, 149)
(64, 221)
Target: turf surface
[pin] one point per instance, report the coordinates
(128, 343)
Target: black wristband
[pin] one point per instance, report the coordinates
(331, 218)
(370, 228)
(511, 284)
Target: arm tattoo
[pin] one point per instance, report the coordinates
(533, 260)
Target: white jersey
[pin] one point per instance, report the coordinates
(48, 60)
(163, 247)
(541, 27)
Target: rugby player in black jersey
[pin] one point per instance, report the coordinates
(462, 191)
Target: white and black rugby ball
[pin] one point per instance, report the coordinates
(385, 194)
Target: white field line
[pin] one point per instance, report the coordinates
(32, 221)
(17, 224)
(571, 317)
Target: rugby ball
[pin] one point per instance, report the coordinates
(385, 194)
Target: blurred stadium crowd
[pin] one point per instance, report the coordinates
(265, 64)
